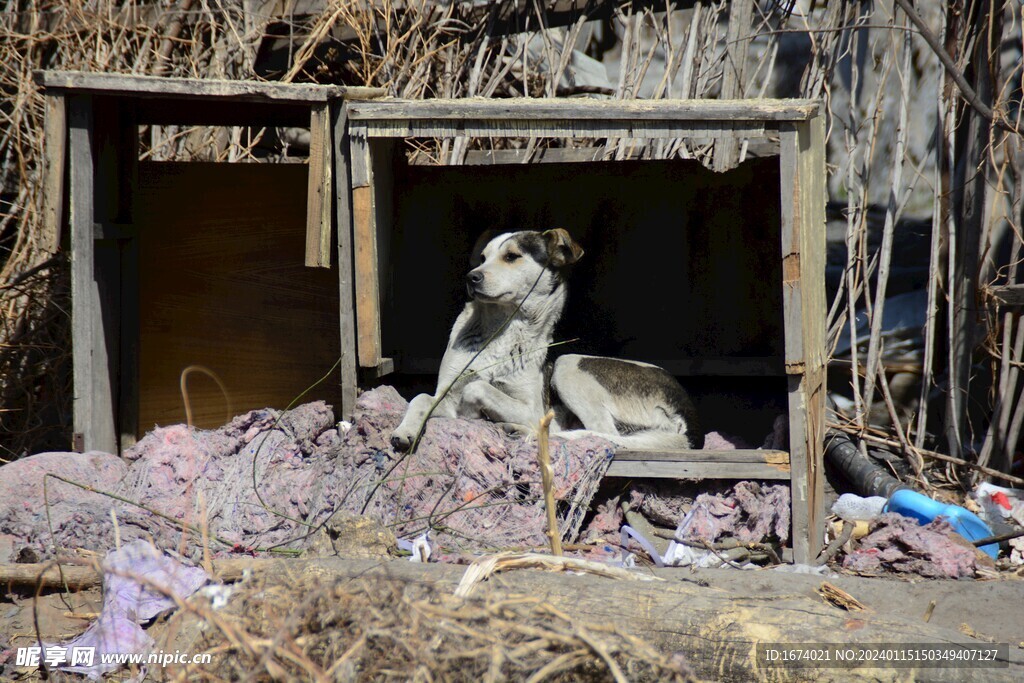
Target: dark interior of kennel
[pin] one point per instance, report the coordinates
(680, 269)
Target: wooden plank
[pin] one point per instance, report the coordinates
(320, 189)
(346, 289)
(567, 127)
(93, 409)
(1008, 295)
(156, 86)
(739, 455)
(655, 469)
(54, 142)
(571, 109)
(364, 241)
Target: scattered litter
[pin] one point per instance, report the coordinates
(419, 547)
(218, 595)
(627, 533)
(999, 504)
(922, 508)
(853, 508)
(901, 544)
(138, 584)
(820, 570)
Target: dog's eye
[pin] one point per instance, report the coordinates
(512, 256)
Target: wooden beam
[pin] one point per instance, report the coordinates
(178, 88)
(320, 189)
(654, 469)
(739, 455)
(568, 127)
(346, 289)
(701, 464)
(54, 142)
(570, 109)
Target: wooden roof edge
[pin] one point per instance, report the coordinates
(778, 110)
(197, 88)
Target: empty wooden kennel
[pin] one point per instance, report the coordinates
(179, 268)
(719, 277)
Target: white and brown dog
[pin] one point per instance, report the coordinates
(494, 366)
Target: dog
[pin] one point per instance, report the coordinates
(495, 366)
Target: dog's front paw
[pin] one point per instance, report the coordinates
(401, 439)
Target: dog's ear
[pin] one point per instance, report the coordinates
(478, 247)
(562, 249)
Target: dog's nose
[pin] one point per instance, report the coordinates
(474, 278)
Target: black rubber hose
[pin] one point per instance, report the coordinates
(868, 478)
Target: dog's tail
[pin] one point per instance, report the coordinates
(648, 439)
(652, 440)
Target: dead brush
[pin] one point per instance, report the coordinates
(375, 629)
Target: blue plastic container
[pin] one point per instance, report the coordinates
(922, 508)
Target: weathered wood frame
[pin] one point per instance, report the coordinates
(798, 125)
(91, 139)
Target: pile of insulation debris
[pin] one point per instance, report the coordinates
(271, 482)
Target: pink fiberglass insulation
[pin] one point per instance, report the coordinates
(901, 544)
(477, 488)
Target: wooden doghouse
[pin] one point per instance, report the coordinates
(717, 277)
(179, 266)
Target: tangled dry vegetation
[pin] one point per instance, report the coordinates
(374, 629)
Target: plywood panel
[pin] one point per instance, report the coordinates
(223, 286)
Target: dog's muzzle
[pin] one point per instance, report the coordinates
(473, 280)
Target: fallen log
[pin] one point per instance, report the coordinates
(717, 630)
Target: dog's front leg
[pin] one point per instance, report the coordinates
(481, 399)
(416, 416)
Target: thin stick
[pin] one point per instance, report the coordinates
(547, 482)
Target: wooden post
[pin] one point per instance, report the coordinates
(346, 291)
(93, 412)
(803, 248)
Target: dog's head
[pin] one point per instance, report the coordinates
(507, 267)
